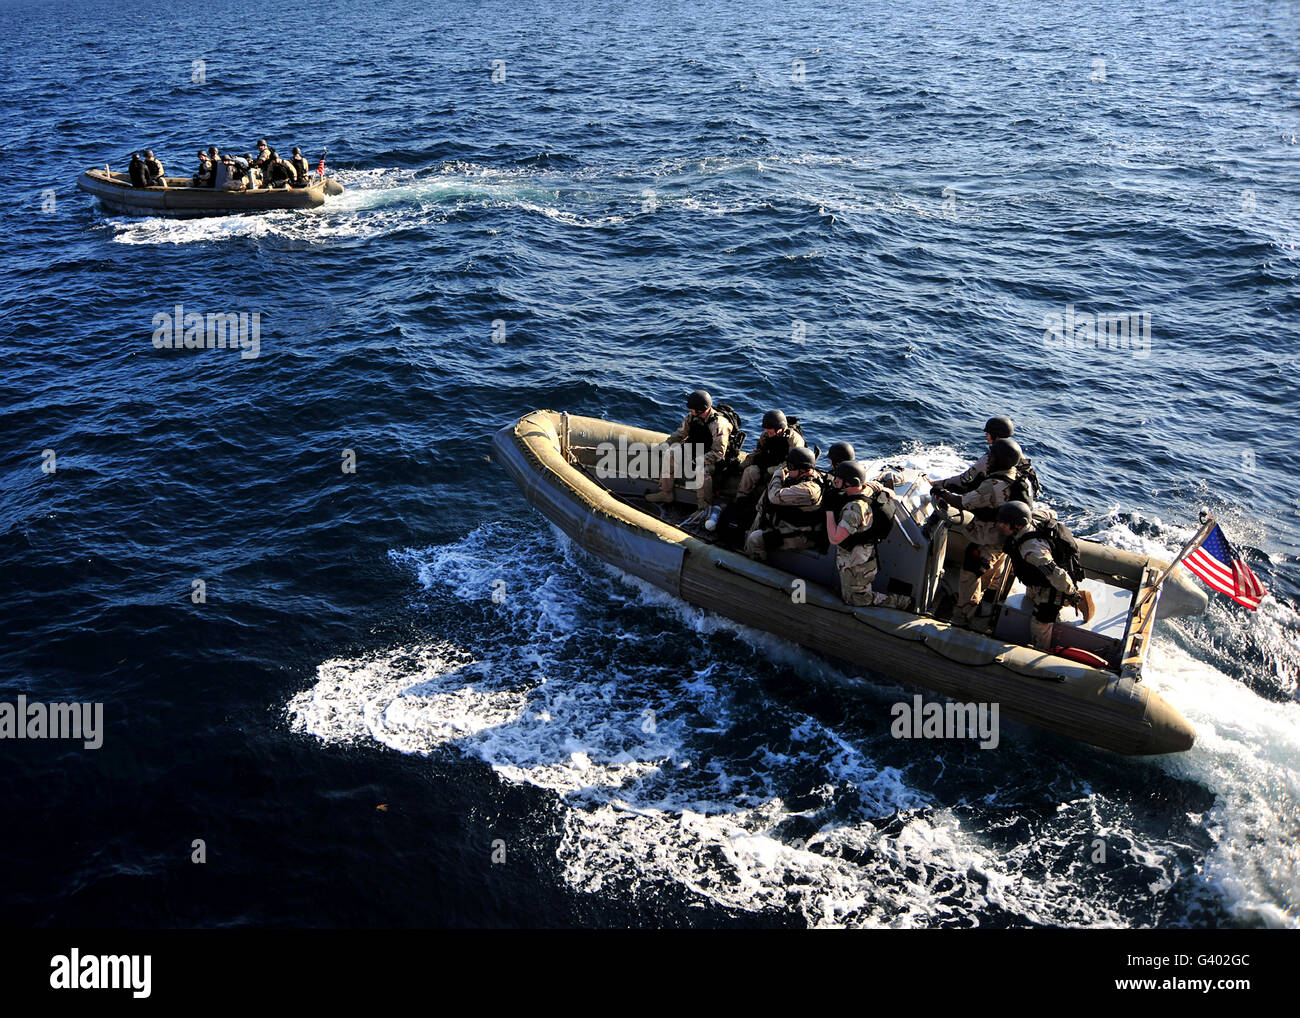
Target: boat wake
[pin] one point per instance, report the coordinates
(686, 751)
(382, 201)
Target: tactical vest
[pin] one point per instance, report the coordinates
(1024, 472)
(882, 517)
(300, 168)
(800, 517)
(699, 433)
(772, 451)
(1061, 543)
(1016, 488)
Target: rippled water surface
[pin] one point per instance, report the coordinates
(863, 213)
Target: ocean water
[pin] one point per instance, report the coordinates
(405, 699)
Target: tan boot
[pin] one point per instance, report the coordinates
(660, 496)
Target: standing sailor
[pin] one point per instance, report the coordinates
(977, 522)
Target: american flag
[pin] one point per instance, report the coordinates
(320, 170)
(1217, 564)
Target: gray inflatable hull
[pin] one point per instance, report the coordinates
(1076, 700)
(180, 201)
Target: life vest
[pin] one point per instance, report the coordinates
(799, 517)
(300, 169)
(772, 452)
(137, 173)
(1024, 469)
(882, 507)
(1061, 543)
(698, 431)
(1017, 491)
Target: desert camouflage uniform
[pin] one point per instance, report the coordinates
(966, 479)
(858, 566)
(1043, 603)
(753, 472)
(984, 555)
(805, 494)
(720, 429)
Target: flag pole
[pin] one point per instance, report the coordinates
(1207, 524)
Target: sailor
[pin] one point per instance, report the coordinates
(1048, 586)
(136, 171)
(840, 452)
(239, 167)
(264, 156)
(969, 479)
(203, 176)
(300, 168)
(769, 454)
(279, 172)
(153, 170)
(253, 176)
(977, 522)
(790, 515)
(863, 520)
(704, 436)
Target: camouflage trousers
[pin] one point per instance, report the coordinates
(856, 589)
(751, 477)
(973, 581)
(757, 542)
(672, 470)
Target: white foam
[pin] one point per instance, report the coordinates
(653, 791)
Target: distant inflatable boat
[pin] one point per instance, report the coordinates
(1089, 689)
(178, 200)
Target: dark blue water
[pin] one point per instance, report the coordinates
(860, 212)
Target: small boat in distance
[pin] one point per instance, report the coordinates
(178, 200)
(1090, 689)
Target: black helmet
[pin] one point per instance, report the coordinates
(1016, 513)
(840, 452)
(851, 472)
(800, 458)
(297, 151)
(999, 427)
(699, 400)
(774, 419)
(1004, 454)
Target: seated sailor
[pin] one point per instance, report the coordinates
(864, 518)
(790, 513)
(705, 437)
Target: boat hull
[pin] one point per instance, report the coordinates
(116, 196)
(1088, 704)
